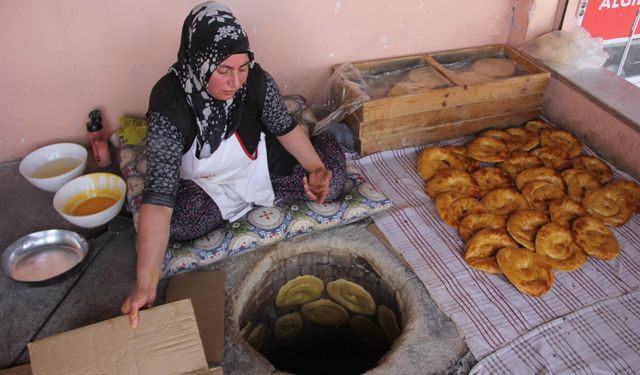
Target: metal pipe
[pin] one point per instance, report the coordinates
(628, 46)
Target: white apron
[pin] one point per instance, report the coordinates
(234, 179)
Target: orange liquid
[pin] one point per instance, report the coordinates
(93, 206)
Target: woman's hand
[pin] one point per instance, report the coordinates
(316, 184)
(142, 295)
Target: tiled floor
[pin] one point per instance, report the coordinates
(91, 294)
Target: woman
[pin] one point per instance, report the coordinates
(219, 142)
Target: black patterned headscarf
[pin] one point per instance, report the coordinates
(210, 34)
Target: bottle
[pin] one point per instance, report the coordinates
(99, 147)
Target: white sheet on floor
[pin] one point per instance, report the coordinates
(487, 309)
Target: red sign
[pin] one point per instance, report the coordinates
(610, 19)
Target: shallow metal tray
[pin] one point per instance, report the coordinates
(44, 256)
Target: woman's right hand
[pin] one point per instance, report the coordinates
(142, 295)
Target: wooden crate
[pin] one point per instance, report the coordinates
(442, 113)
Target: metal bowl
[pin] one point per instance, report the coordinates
(44, 256)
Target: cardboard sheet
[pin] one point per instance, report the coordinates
(206, 291)
(166, 342)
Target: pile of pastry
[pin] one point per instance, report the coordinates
(539, 205)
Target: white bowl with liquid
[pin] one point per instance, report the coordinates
(50, 167)
(91, 200)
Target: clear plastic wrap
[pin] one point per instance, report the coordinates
(568, 50)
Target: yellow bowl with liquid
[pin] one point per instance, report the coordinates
(91, 200)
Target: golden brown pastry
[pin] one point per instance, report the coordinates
(504, 201)
(500, 135)
(518, 162)
(565, 211)
(556, 246)
(595, 238)
(540, 174)
(452, 207)
(494, 66)
(470, 164)
(595, 166)
(435, 159)
(630, 190)
(525, 270)
(537, 126)
(608, 205)
(553, 157)
(562, 138)
(525, 139)
(288, 326)
(388, 323)
(452, 180)
(488, 149)
(473, 223)
(540, 193)
(490, 178)
(472, 78)
(480, 252)
(427, 77)
(578, 182)
(524, 225)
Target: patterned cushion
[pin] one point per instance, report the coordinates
(259, 227)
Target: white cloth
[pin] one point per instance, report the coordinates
(234, 179)
(486, 308)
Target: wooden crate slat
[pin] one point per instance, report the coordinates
(405, 123)
(420, 136)
(453, 96)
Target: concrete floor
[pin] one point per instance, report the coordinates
(91, 294)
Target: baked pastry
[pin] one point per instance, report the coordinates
(540, 174)
(494, 66)
(565, 211)
(367, 331)
(473, 223)
(525, 270)
(523, 226)
(555, 244)
(288, 326)
(452, 180)
(630, 190)
(608, 205)
(595, 238)
(537, 126)
(480, 252)
(563, 139)
(518, 162)
(525, 139)
(504, 201)
(435, 159)
(540, 193)
(427, 77)
(490, 178)
(471, 165)
(452, 207)
(472, 78)
(388, 323)
(578, 182)
(488, 149)
(500, 135)
(595, 166)
(553, 157)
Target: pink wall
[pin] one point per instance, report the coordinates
(61, 58)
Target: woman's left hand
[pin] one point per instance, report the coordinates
(316, 184)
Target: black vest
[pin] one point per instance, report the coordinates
(168, 98)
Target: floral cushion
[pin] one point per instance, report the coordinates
(259, 227)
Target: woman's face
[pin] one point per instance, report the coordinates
(228, 76)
